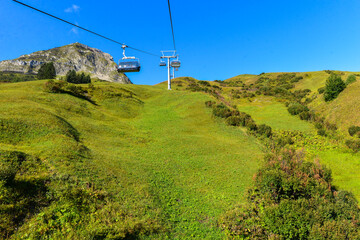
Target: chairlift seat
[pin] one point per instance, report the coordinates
(175, 63)
(129, 65)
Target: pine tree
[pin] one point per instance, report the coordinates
(334, 86)
(71, 76)
(47, 71)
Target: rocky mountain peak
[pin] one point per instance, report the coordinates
(75, 56)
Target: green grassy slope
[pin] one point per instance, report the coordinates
(266, 110)
(272, 111)
(160, 155)
(344, 110)
(311, 80)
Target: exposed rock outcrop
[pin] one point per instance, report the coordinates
(76, 56)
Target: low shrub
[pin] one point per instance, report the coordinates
(222, 111)
(318, 125)
(305, 115)
(321, 90)
(293, 199)
(205, 83)
(234, 121)
(251, 125)
(264, 130)
(330, 126)
(321, 132)
(296, 108)
(353, 130)
(353, 144)
(350, 79)
(54, 87)
(210, 103)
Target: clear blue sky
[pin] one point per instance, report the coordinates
(215, 39)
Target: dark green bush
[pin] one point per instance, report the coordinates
(321, 132)
(234, 121)
(305, 115)
(318, 125)
(284, 140)
(334, 86)
(321, 90)
(54, 87)
(294, 199)
(251, 125)
(296, 108)
(47, 71)
(353, 144)
(210, 103)
(353, 130)
(350, 79)
(264, 130)
(334, 230)
(205, 83)
(330, 126)
(221, 110)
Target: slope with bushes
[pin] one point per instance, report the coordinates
(125, 162)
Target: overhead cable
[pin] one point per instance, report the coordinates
(172, 27)
(75, 25)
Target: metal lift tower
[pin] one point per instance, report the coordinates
(174, 64)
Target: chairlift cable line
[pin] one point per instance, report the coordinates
(172, 27)
(136, 49)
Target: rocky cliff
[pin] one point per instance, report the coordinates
(76, 56)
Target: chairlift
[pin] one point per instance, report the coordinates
(162, 63)
(128, 64)
(175, 64)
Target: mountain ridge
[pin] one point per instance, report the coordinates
(75, 56)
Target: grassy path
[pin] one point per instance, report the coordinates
(197, 168)
(173, 161)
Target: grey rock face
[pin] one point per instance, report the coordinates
(76, 56)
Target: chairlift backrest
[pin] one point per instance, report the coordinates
(175, 63)
(162, 64)
(129, 65)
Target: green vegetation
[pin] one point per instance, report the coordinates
(293, 199)
(47, 71)
(350, 79)
(297, 108)
(110, 161)
(354, 130)
(77, 78)
(16, 77)
(22, 189)
(266, 110)
(143, 162)
(334, 86)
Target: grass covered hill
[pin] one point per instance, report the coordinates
(111, 161)
(135, 161)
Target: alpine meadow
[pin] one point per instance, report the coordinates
(203, 120)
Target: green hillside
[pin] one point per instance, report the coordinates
(159, 162)
(344, 110)
(112, 161)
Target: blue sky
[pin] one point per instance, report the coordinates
(215, 39)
